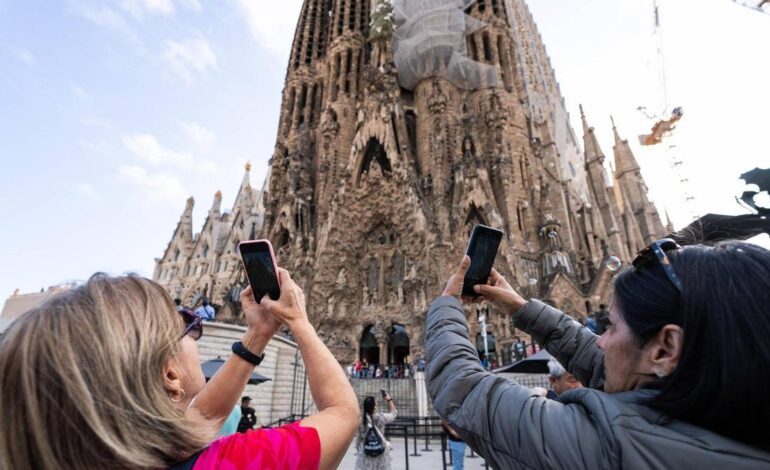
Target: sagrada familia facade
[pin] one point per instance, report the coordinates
(403, 124)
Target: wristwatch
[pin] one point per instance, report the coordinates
(240, 350)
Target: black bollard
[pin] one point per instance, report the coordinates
(443, 451)
(427, 442)
(406, 446)
(414, 438)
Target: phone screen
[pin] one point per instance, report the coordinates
(260, 269)
(482, 248)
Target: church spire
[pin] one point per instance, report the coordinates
(629, 177)
(216, 204)
(245, 189)
(311, 35)
(185, 222)
(592, 149)
(624, 158)
(600, 187)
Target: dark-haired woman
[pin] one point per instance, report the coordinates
(370, 419)
(679, 380)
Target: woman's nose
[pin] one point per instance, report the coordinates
(600, 341)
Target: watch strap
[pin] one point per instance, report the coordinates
(241, 351)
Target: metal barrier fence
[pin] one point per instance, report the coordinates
(422, 431)
(383, 371)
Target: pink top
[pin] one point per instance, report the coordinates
(288, 447)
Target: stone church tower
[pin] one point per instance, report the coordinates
(402, 126)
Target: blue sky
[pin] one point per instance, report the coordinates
(113, 112)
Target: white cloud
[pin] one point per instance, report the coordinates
(106, 17)
(201, 138)
(87, 190)
(138, 8)
(272, 24)
(190, 58)
(155, 187)
(92, 120)
(194, 5)
(24, 55)
(146, 147)
(80, 92)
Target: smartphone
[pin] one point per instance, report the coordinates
(261, 269)
(482, 248)
(384, 393)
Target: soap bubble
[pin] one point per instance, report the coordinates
(613, 263)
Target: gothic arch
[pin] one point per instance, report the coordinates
(367, 347)
(474, 216)
(374, 152)
(398, 345)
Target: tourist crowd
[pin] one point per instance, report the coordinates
(671, 375)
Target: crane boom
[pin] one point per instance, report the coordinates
(762, 6)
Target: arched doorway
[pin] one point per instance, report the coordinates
(398, 345)
(368, 349)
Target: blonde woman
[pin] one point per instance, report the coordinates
(108, 376)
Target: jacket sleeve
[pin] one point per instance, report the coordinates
(572, 344)
(501, 420)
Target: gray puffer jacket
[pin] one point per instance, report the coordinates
(512, 428)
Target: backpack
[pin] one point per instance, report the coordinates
(374, 444)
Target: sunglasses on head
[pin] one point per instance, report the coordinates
(193, 324)
(657, 251)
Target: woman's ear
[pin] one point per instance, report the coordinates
(664, 350)
(172, 381)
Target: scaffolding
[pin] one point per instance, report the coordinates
(430, 41)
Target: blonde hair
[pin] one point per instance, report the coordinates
(81, 381)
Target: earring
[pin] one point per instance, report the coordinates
(180, 398)
(657, 372)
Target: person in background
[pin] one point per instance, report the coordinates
(178, 303)
(370, 417)
(248, 415)
(206, 311)
(232, 422)
(602, 319)
(590, 323)
(561, 380)
(114, 370)
(456, 446)
(672, 383)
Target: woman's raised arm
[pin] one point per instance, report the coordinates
(337, 417)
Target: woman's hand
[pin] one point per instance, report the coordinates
(290, 308)
(454, 286)
(258, 318)
(500, 293)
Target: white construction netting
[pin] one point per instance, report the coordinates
(430, 41)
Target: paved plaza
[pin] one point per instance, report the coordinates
(426, 460)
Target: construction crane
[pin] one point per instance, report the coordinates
(665, 119)
(762, 6)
